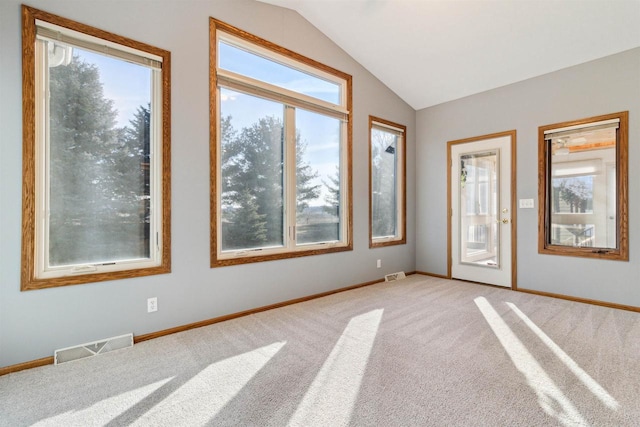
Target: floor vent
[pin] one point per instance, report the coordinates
(394, 276)
(93, 348)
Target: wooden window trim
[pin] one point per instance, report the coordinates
(215, 261)
(28, 279)
(378, 243)
(621, 253)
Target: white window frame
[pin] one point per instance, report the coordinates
(400, 132)
(290, 101)
(41, 27)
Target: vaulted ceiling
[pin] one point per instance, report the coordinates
(434, 51)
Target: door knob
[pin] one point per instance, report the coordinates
(505, 221)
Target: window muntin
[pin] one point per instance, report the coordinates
(96, 169)
(584, 192)
(387, 182)
(314, 132)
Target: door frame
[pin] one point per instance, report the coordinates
(514, 222)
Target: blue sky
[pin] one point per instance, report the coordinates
(127, 84)
(251, 65)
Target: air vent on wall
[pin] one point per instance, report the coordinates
(394, 276)
(93, 348)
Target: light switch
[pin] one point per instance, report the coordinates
(526, 203)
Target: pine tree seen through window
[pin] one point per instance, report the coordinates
(280, 156)
(98, 181)
(96, 165)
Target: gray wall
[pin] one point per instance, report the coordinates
(604, 86)
(33, 324)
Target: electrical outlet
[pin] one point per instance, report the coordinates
(379, 263)
(152, 305)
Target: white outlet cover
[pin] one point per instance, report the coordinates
(152, 305)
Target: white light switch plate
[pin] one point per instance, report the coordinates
(525, 203)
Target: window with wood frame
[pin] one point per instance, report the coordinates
(96, 166)
(280, 152)
(583, 190)
(387, 182)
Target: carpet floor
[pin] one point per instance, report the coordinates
(421, 351)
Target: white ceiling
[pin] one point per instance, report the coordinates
(434, 51)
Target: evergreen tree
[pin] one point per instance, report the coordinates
(383, 183)
(82, 133)
(96, 179)
(133, 169)
(252, 183)
(305, 189)
(138, 134)
(246, 228)
(252, 162)
(332, 199)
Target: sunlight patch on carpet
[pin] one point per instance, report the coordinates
(550, 398)
(586, 379)
(332, 396)
(204, 395)
(105, 410)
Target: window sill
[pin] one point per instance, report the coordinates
(379, 243)
(248, 257)
(585, 252)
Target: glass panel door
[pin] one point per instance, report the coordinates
(479, 207)
(482, 217)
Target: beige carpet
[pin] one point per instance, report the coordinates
(420, 352)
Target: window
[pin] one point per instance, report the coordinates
(96, 154)
(387, 201)
(479, 198)
(280, 152)
(583, 188)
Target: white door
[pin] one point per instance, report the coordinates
(482, 219)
